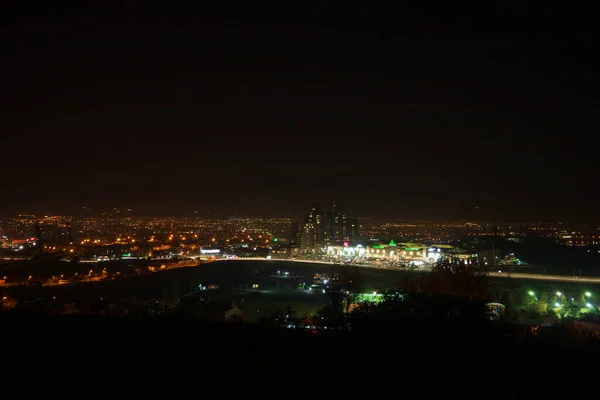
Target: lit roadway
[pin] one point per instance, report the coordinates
(514, 275)
(194, 263)
(179, 264)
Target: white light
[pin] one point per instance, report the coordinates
(588, 305)
(210, 251)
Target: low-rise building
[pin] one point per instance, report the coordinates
(285, 251)
(346, 251)
(437, 252)
(402, 252)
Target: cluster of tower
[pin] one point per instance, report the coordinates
(322, 228)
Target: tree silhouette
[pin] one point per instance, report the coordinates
(281, 317)
(290, 313)
(453, 294)
(349, 285)
(582, 300)
(543, 302)
(570, 312)
(330, 316)
(346, 285)
(511, 314)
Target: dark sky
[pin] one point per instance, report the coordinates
(388, 110)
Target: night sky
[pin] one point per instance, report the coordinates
(389, 111)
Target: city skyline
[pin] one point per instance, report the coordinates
(385, 108)
(260, 192)
(377, 213)
(376, 217)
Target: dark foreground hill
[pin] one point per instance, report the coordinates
(172, 350)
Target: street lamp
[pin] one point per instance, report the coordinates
(588, 294)
(531, 293)
(558, 294)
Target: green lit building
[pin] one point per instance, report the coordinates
(397, 251)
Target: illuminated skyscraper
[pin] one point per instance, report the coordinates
(321, 229)
(351, 228)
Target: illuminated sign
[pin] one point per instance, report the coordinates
(412, 248)
(210, 251)
(346, 244)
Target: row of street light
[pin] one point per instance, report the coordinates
(559, 294)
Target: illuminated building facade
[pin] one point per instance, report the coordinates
(437, 252)
(351, 228)
(404, 252)
(308, 236)
(383, 251)
(346, 251)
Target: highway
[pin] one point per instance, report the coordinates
(285, 260)
(194, 263)
(513, 275)
(48, 282)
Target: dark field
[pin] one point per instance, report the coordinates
(231, 276)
